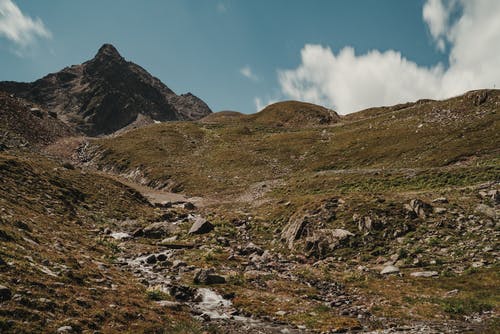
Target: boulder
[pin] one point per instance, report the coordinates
(64, 329)
(208, 276)
(424, 274)
(151, 259)
(387, 270)
(161, 257)
(178, 263)
(138, 233)
(486, 210)
(201, 226)
(440, 211)
(440, 200)
(159, 230)
(295, 230)
(251, 248)
(182, 292)
(324, 241)
(418, 208)
(5, 293)
(189, 206)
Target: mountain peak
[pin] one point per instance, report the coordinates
(108, 51)
(107, 93)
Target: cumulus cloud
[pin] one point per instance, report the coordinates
(436, 14)
(349, 82)
(19, 28)
(247, 72)
(260, 104)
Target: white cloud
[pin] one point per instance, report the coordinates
(260, 104)
(436, 14)
(350, 82)
(247, 72)
(19, 28)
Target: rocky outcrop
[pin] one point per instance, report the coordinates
(106, 94)
(201, 226)
(159, 230)
(418, 208)
(294, 230)
(324, 241)
(208, 276)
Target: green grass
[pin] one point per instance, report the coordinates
(225, 158)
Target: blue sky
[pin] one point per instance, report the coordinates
(232, 53)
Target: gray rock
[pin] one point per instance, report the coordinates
(251, 248)
(138, 233)
(324, 241)
(151, 259)
(477, 264)
(208, 276)
(424, 274)
(182, 292)
(495, 196)
(486, 210)
(389, 270)
(440, 200)
(5, 293)
(178, 264)
(159, 230)
(418, 208)
(364, 223)
(161, 257)
(189, 206)
(65, 329)
(440, 211)
(294, 230)
(201, 226)
(169, 239)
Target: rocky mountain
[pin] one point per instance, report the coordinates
(106, 94)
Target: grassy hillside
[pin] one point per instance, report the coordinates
(53, 258)
(211, 158)
(306, 213)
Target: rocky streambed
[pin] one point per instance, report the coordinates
(161, 273)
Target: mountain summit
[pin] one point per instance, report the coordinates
(108, 93)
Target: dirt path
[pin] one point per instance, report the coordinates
(156, 196)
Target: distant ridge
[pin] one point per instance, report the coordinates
(287, 114)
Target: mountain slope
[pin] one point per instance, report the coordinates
(378, 221)
(106, 94)
(232, 154)
(23, 123)
(286, 114)
(55, 261)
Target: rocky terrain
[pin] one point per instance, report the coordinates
(291, 220)
(23, 123)
(106, 94)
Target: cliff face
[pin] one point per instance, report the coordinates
(106, 94)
